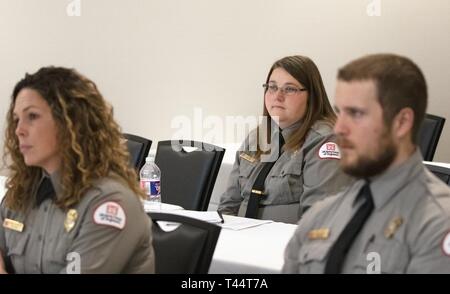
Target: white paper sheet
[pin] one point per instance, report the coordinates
(240, 223)
(163, 207)
(207, 216)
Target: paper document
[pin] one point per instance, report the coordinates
(240, 223)
(207, 216)
(163, 207)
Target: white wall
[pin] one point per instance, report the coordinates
(154, 60)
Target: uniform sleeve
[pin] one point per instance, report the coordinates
(430, 253)
(291, 254)
(3, 250)
(108, 249)
(292, 251)
(231, 199)
(2, 236)
(322, 177)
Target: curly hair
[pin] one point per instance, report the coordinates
(90, 140)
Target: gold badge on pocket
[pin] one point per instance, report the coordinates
(247, 157)
(13, 225)
(321, 234)
(393, 226)
(71, 219)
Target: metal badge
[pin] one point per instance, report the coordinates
(13, 225)
(393, 226)
(321, 234)
(71, 219)
(247, 157)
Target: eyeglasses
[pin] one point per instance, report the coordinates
(286, 90)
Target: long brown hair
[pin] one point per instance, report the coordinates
(318, 107)
(91, 142)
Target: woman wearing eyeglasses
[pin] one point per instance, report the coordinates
(73, 203)
(298, 166)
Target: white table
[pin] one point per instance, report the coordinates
(256, 250)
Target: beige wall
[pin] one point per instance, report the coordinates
(154, 60)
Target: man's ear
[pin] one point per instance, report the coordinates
(403, 123)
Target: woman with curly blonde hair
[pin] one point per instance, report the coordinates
(73, 202)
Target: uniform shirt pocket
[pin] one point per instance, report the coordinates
(16, 252)
(290, 182)
(246, 169)
(312, 257)
(56, 260)
(58, 241)
(392, 256)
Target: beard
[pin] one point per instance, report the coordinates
(367, 166)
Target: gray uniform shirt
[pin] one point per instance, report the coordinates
(296, 181)
(407, 232)
(110, 233)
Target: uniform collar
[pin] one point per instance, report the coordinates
(55, 179)
(288, 131)
(386, 186)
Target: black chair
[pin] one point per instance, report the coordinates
(429, 134)
(441, 172)
(186, 250)
(138, 148)
(188, 178)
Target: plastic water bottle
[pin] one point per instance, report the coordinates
(150, 178)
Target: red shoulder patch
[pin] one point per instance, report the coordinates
(111, 214)
(329, 150)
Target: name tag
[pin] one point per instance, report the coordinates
(321, 234)
(247, 157)
(12, 225)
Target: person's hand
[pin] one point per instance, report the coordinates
(2, 264)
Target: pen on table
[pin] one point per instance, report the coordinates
(221, 217)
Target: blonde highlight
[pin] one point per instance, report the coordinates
(91, 142)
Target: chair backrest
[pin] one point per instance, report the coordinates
(441, 172)
(138, 148)
(186, 250)
(429, 134)
(188, 178)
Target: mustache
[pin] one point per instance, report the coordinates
(344, 143)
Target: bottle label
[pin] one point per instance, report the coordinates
(151, 187)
